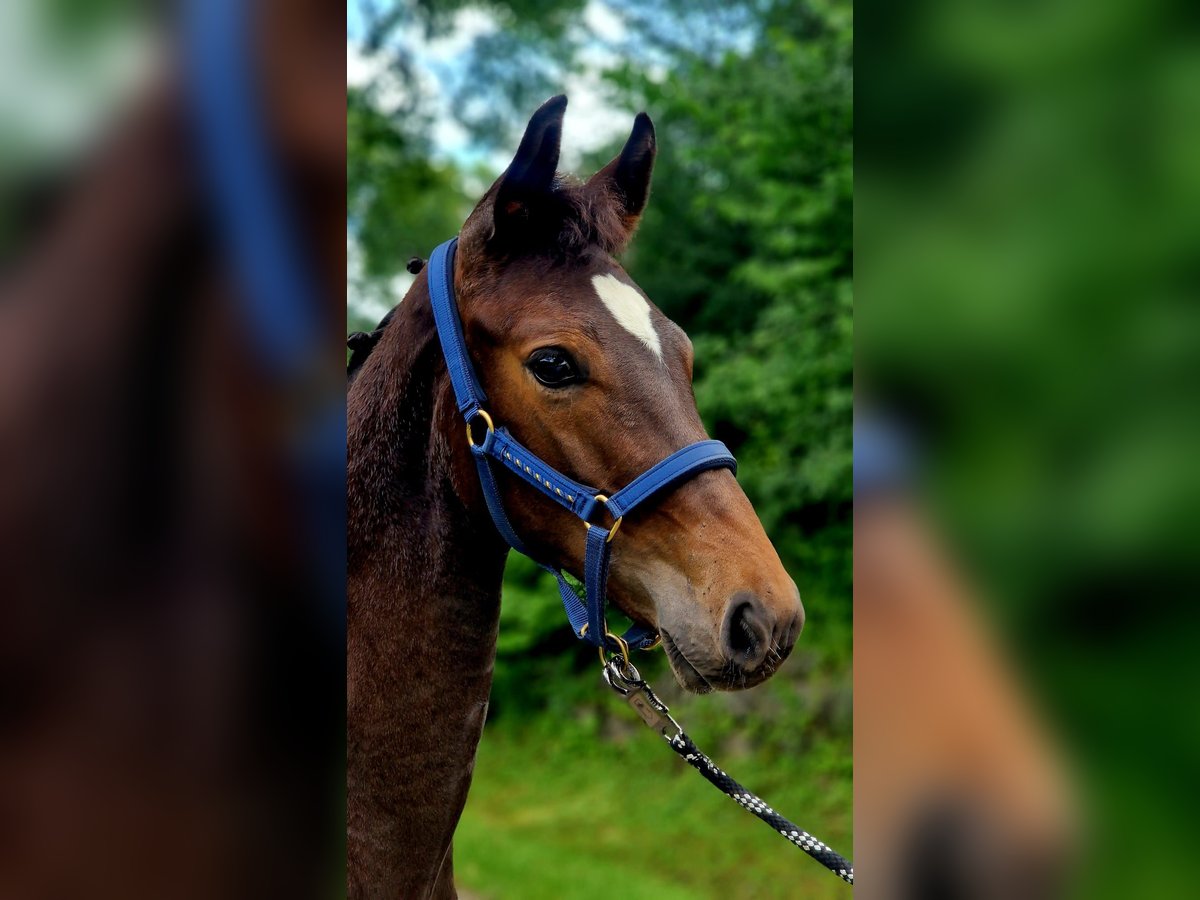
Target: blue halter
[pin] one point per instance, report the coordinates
(586, 617)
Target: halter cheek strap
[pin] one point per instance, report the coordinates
(497, 446)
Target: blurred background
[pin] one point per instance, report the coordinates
(746, 243)
(172, 448)
(1027, 212)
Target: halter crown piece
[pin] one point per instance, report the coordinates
(498, 446)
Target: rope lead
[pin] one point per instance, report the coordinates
(623, 677)
(818, 850)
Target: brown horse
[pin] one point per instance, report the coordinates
(597, 382)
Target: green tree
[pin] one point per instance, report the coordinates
(747, 243)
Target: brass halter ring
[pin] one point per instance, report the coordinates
(617, 639)
(600, 498)
(487, 420)
(624, 645)
(620, 642)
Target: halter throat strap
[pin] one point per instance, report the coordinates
(497, 446)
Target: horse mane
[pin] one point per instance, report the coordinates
(361, 343)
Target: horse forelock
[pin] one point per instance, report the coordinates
(570, 220)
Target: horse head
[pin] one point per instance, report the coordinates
(583, 368)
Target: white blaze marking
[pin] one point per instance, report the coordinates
(629, 308)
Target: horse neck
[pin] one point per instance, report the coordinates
(413, 489)
(424, 571)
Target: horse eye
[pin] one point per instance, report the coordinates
(553, 367)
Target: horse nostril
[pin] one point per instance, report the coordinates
(741, 636)
(746, 631)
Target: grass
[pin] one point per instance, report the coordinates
(557, 811)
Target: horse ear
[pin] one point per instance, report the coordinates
(529, 178)
(627, 177)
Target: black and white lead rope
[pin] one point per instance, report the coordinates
(623, 677)
(818, 850)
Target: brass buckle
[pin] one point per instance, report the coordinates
(487, 420)
(600, 498)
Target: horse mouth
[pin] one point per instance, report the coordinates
(691, 679)
(686, 674)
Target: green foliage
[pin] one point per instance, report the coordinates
(753, 185)
(747, 243)
(397, 196)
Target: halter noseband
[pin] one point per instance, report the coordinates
(497, 445)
